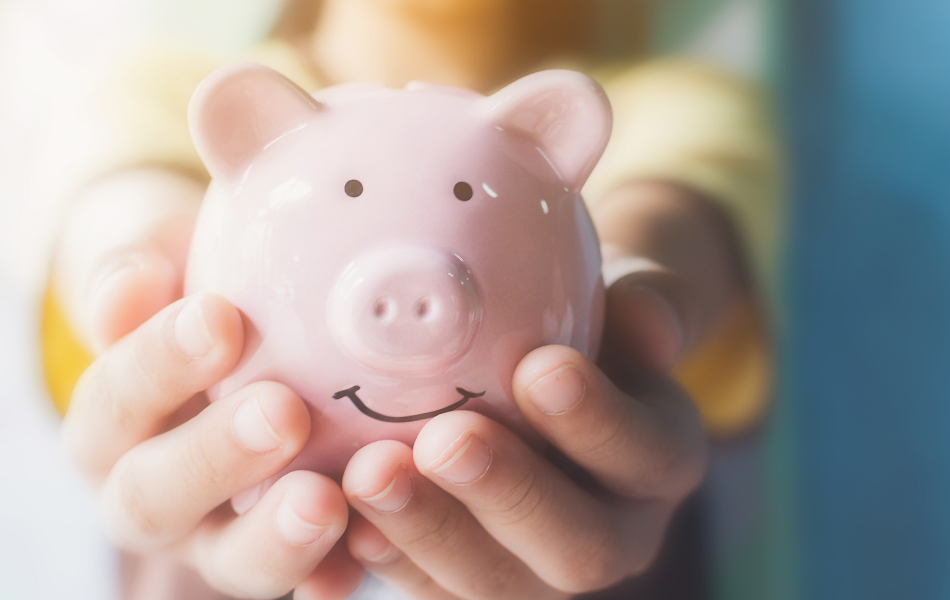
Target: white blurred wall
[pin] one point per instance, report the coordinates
(53, 49)
(51, 544)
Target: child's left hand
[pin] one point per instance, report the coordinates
(472, 511)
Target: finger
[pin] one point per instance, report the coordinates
(132, 284)
(137, 222)
(573, 541)
(335, 578)
(650, 313)
(380, 557)
(651, 445)
(128, 393)
(433, 529)
(135, 282)
(274, 546)
(161, 489)
(673, 266)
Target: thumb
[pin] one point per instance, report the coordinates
(121, 256)
(673, 265)
(132, 283)
(651, 314)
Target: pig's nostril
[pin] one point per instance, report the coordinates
(427, 309)
(384, 309)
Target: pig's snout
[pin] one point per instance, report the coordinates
(405, 310)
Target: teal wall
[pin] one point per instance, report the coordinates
(869, 295)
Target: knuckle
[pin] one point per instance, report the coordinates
(440, 532)
(496, 582)
(201, 469)
(146, 369)
(503, 580)
(614, 435)
(522, 500)
(667, 459)
(97, 387)
(131, 518)
(606, 433)
(663, 466)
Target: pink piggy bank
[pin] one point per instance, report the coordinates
(396, 253)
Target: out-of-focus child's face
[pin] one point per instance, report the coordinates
(446, 8)
(477, 44)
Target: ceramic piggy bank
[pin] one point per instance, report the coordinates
(396, 253)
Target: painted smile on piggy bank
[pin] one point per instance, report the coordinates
(351, 394)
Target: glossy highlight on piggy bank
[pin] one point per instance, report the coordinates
(396, 253)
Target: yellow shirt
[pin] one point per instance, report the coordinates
(688, 123)
(673, 120)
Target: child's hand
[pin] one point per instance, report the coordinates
(472, 511)
(164, 462)
(164, 486)
(121, 256)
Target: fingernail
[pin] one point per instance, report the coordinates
(294, 528)
(466, 465)
(558, 392)
(252, 428)
(191, 330)
(394, 497)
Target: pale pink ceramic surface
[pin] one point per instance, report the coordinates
(421, 300)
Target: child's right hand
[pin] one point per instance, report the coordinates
(163, 461)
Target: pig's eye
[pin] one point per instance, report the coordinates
(353, 188)
(463, 191)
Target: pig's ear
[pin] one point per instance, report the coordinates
(240, 109)
(565, 113)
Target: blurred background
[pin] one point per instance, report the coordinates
(845, 494)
